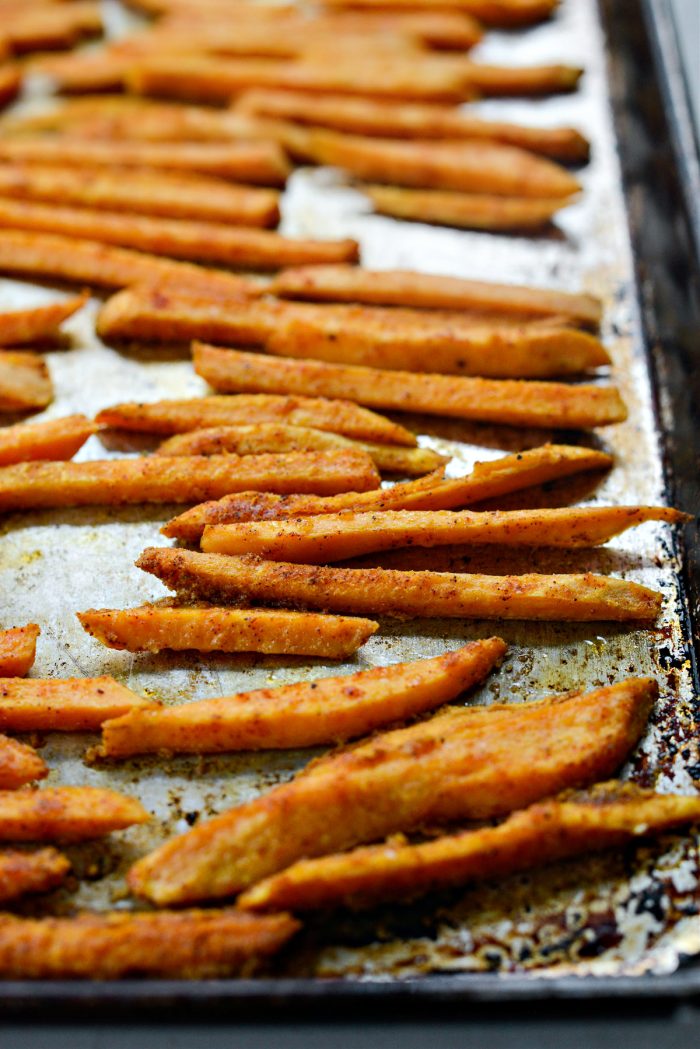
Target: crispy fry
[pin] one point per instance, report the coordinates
(25, 384)
(24, 873)
(165, 193)
(336, 537)
(50, 26)
(19, 764)
(18, 650)
(336, 416)
(82, 71)
(37, 322)
(10, 83)
(106, 946)
(64, 704)
(521, 80)
(56, 439)
(508, 402)
(185, 479)
(176, 238)
(66, 813)
(487, 480)
(502, 13)
(463, 210)
(458, 765)
(379, 591)
(432, 292)
(271, 437)
(607, 816)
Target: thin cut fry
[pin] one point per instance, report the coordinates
(502, 13)
(19, 764)
(25, 384)
(463, 210)
(432, 292)
(10, 83)
(38, 322)
(379, 591)
(18, 650)
(521, 80)
(608, 816)
(509, 402)
(186, 479)
(50, 26)
(66, 813)
(487, 480)
(25, 873)
(335, 416)
(457, 766)
(153, 628)
(106, 946)
(82, 71)
(56, 439)
(64, 704)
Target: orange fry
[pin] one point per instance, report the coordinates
(10, 83)
(63, 704)
(521, 80)
(50, 26)
(83, 70)
(56, 439)
(18, 650)
(66, 813)
(19, 764)
(463, 210)
(502, 13)
(37, 322)
(25, 384)
(25, 873)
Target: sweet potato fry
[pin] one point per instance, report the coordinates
(306, 714)
(25, 873)
(486, 481)
(64, 704)
(432, 292)
(106, 946)
(366, 116)
(153, 628)
(82, 71)
(165, 193)
(18, 650)
(56, 439)
(50, 26)
(502, 13)
(605, 817)
(336, 416)
(458, 765)
(25, 384)
(185, 479)
(521, 80)
(379, 591)
(37, 322)
(271, 437)
(175, 238)
(337, 537)
(10, 83)
(463, 210)
(468, 167)
(66, 813)
(19, 764)
(504, 401)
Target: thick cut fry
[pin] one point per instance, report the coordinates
(432, 292)
(56, 439)
(270, 437)
(18, 650)
(463, 210)
(605, 817)
(502, 13)
(66, 813)
(487, 480)
(25, 873)
(185, 479)
(509, 402)
(379, 591)
(10, 83)
(106, 946)
(459, 765)
(365, 116)
(257, 162)
(50, 26)
(335, 416)
(19, 764)
(25, 384)
(306, 714)
(163, 193)
(336, 537)
(521, 80)
(153, 628)
(38, 322)
(64, 704)
(468, 167)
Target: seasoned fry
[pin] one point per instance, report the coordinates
(10, 83)
(487, 480)
(185, 479)
(468, 167)
(459, 765)
(271, 437)
(18, 650)
(257, 162)
(336, 537)
(502, 13)
(37, 322)
(432, 292)
(106, 946)
(176, 238)
(66, 813)
(19, 764)
(25, 873)
(379, 591)
(366, 116)
(463, 210)
(165, 193)
(56, 439)
(508, 402)
(342, 417)
(64, 704)
(50, 26)
(521, 80)
(25, 384)
(605, 817)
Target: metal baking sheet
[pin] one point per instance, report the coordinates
(624, 914)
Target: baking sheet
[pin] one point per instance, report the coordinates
(627, 913)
